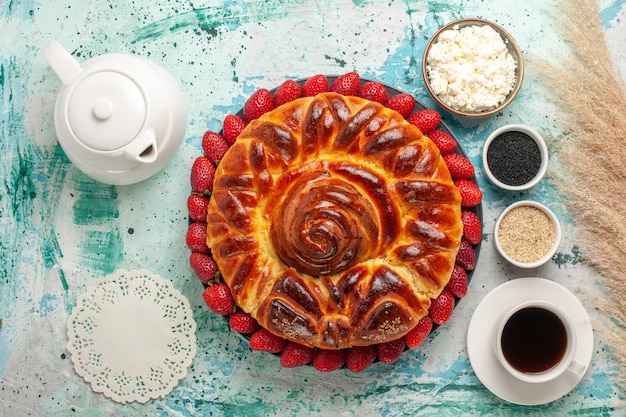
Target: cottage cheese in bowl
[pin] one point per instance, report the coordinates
(470, 68)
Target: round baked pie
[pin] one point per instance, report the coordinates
(334, 222)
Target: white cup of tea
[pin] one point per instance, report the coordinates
(536, 342)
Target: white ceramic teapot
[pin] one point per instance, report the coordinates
(118, 117)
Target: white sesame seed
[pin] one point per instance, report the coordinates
(526, 234)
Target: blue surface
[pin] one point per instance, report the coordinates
(62, 230)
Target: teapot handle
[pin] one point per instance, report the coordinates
(143, 148)
(61, 61)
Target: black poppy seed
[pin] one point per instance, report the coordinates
(514, 158)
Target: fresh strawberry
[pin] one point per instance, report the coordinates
(466, 256)
(233, 126)
(214, 146)
(419, 332)
(265, 341)
(204, 266)
(218, 298)
(197, 207)
(202, 175)
(288, 91)
(347, 84)
(295, 355)
(458, 282)
(326, 360)
(374, 91)
(426, 120)
(441, 307)
(242, 322)
(196, 237)
(257, 105)
(459, 166)
(444, 142)
(472, 228)
(471, 195)
(402, 103)
(315, 85)
(389, 352)
(359, 358)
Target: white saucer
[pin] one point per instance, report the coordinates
(480, 340)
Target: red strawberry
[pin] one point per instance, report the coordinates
(315, 85)
(214, 146)
(258, 104)
(466, 256)
(444, 142)
(472, 229)
(328, 360)
(218, 298)
(204, 266)
(202, 175)
(419, 332)
(374, 91)
(288, 91)
(233, 126)
(295, 355)
(441, 307)
(264, 341)
(402, 103)
(426, 120)
(389, 352)
(359, 358)
(347, 84)
(197, 207)
(458, 282)
(471, 195)
(196, 238)
(459, 166)
(242, 322)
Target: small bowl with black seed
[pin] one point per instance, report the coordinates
(515, 157)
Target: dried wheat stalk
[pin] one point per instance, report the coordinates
(592, 155)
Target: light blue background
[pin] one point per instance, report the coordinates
(61, 230)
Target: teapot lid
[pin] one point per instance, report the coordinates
(106, 110)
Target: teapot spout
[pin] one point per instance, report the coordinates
(61, 61)
(143, 148)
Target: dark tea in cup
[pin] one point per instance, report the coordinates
(536, 342)
(533, 340)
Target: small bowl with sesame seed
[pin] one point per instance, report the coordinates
(515, 157)
(527, 234)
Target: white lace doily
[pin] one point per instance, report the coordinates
(132, 336)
